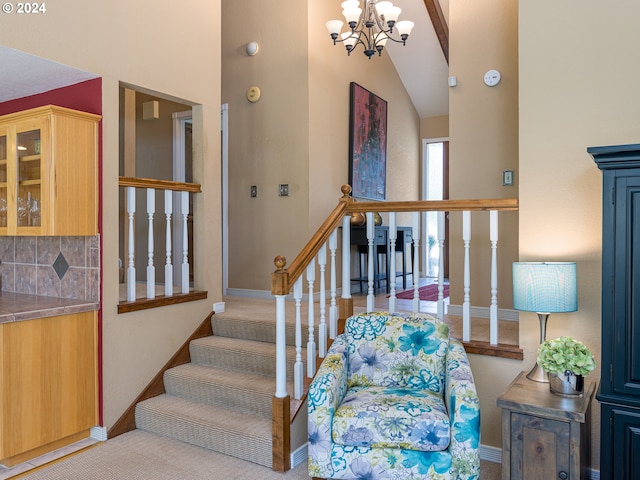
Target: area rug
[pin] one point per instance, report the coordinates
(427, 293)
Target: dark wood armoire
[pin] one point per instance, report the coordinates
(619, 392)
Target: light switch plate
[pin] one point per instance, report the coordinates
(507, 178)
(254, 191)
(284, 189)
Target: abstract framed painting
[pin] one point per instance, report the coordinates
(367, 144)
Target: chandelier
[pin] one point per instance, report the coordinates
(371, 27)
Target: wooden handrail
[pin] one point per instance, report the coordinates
(282, 279)
(435, 205)
(159, 184)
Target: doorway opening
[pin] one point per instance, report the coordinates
(435, 186)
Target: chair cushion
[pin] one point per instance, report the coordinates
(397, 350)
(387, 417)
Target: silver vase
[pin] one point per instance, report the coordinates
(566, 384)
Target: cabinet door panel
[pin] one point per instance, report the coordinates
(626, 317)
(625, 447)
(539, 447)
(29, 178)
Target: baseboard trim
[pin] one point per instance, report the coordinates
(490, 454)
(99, 433)
(246, 293)
(484, 312)
(299, 455)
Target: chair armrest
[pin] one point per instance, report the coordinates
(325, 394)
(464, 412)
(330, 383)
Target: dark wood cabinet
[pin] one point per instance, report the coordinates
(619, 393)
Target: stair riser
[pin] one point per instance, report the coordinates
(250, 330)
(255, 403)
(253, 449)
(251, 362)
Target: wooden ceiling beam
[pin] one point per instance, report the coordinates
(440, 25)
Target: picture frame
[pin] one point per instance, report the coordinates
(367, 144)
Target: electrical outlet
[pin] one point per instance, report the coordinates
(284, 189)
(254, 191)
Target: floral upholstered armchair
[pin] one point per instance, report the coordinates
(394, 399)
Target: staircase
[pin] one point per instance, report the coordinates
(222, 399)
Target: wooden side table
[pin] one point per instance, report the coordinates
(544, 436)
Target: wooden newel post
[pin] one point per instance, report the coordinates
(280, 278)
(280, 408)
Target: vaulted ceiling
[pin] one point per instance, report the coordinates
(422, 63)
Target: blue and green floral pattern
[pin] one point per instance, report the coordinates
(394, 398)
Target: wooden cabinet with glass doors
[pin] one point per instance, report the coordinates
(49, 172)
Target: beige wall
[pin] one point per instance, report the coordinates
(434, 127)
(483, 132)
(578, 88)
(298, 132)
(268, 140)
(123, 44)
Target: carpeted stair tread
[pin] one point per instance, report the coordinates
(239, 355)
(222, 430)
(240, 391)
(250, 329)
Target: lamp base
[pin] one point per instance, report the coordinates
(537, 374)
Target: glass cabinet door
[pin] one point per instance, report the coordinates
(3, 181)
(29, 199)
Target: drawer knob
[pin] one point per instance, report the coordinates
(563, 475)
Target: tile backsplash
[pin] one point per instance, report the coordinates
(64, 267)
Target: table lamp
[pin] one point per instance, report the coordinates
(544, 288)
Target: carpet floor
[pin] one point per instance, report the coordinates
(139, 455)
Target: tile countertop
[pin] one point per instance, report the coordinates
(15, 307)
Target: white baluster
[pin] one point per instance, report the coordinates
(415, 231)
(298, 368)
(322, 326)
(131, 268)
(441, 238)
(168, 268)
(333, 308)
(371, 258)
(391, 274)
(493, 310)
(346, 257)
(311, 343)
(184, 207)
(466, 304)
(151, 269)
(281, 348)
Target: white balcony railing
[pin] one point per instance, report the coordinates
(169, 230)
(301, 275)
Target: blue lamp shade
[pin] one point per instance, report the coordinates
(545, 287)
